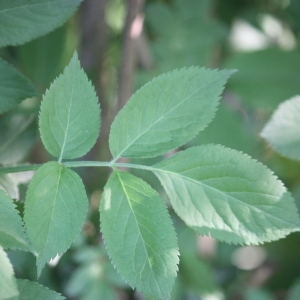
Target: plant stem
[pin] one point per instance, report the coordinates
(74, 164)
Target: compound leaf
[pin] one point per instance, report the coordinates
(283, 130)
(12, 234)
(139, 235)
(22, 21)
(223, 193)
(8, 286)
(70, 114)
(55, 209)
(33, 290)
(167, 112)
(14, 87)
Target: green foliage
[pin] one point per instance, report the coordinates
(94, 277)
(225, 194)
(8, 286)
(23, 21)
(12, 234)
(283, 130)
(33, 290)
(167, 112)
(14, 87)
(18, 135)
(266, 77)
(186, 33)
(64, 129)
(135, 241)
(215, 190)
(55, 209)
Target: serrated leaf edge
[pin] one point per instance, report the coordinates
(265, 240)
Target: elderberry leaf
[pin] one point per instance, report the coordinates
(70, 114)
(55, 209)
(139, 235)
(167, 112)
(224, 193)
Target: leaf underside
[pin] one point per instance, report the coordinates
(167, 112)
(283, 130)
(12, 234)
(22, 21)
(70, 114)
(14, 87)
(223, 193)
(55, 210)
(139, 235)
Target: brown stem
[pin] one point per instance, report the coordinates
(132, 30)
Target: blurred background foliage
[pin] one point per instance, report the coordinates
(122, 45)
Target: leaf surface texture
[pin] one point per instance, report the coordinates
(225, 194)
(139, 235)
(167, 112)
(70, 114)
(55, 210)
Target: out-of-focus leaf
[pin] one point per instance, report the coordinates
(22, 21)
(12, 235)
(44, 58)
(265, 77)
(283, 129)
(294, 291)
(30, 290)
(14, 87)
(8, 286)
(186, 33)
(88, 282)
(228, 129)
(8, 184)
(257, 294)
(18, 133)
(196, 274)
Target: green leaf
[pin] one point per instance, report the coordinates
(294, 291)
(283, 130)
(186, 33)
(22, 21)
(167, 112)
(263, 83)
(18, 133)
(8, 286)
(223, 193)
(55, 209)
(14, 87)
(32, 290)
(12, 234)
(10, 185)
(196, 273)
(70, 114)
(139, 235)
